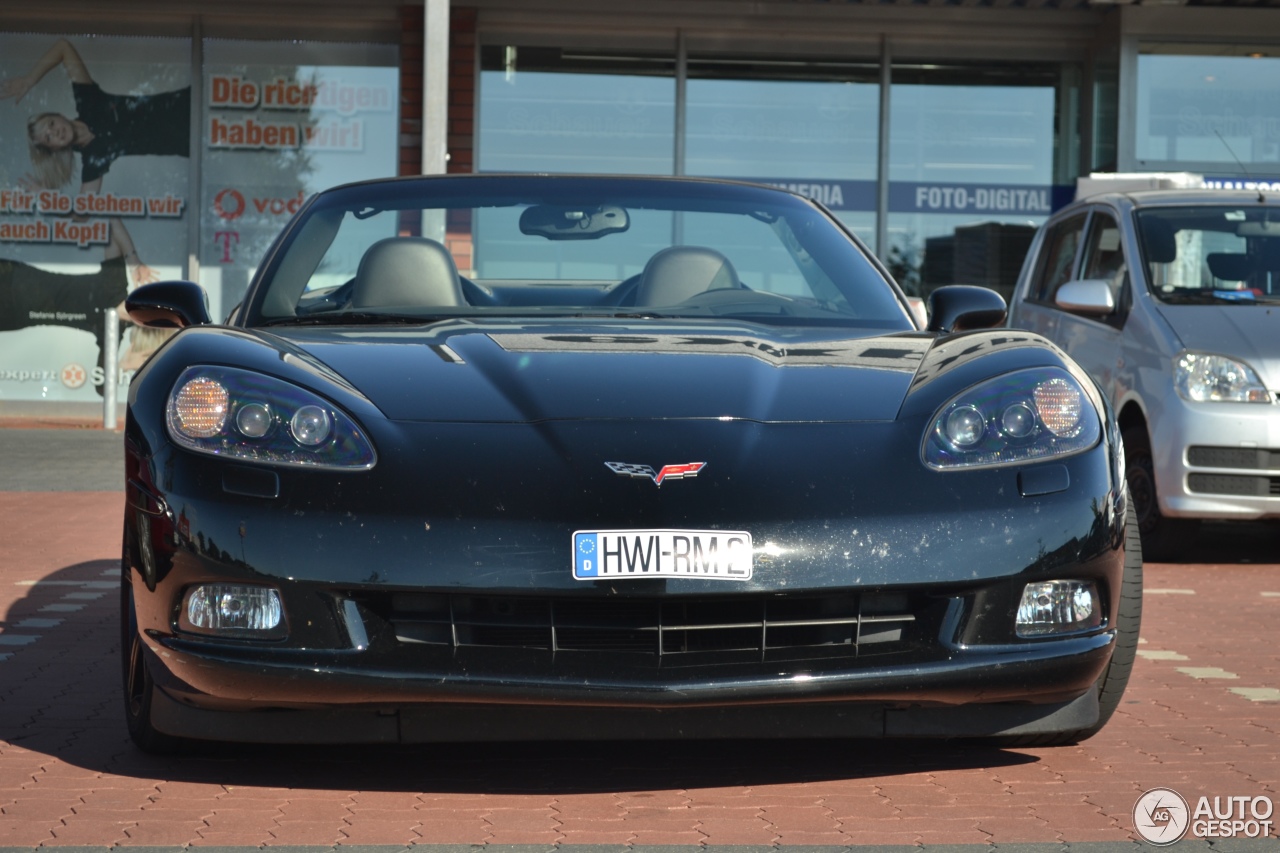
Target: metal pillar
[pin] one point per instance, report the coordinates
(435, 87)
(882, 155)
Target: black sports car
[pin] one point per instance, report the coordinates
(508, 457)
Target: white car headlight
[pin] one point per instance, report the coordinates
(1204, 378)
(1027, 416)
(239, 414)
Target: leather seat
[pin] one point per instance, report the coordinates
(682, 272)
(414, 272)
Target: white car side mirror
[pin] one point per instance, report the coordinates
(1091, 296)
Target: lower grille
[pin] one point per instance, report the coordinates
(1228, 484)
(842, 624)
(1233, 457)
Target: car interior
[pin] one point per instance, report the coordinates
(1212, 250)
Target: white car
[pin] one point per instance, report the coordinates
(1171, 299)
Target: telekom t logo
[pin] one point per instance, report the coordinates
(226, 239)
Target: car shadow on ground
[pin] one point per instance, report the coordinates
(62, 699)
(1232, 543)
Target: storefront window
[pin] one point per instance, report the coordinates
(809, 126)
(281, 122)
(94, 163)
(96, 169)
(548, 110)
(1106, 115)
(1202, 107)
(973, 156)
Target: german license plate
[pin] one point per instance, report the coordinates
(625, 554)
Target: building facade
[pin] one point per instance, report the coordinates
(142, 139)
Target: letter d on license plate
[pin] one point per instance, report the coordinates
(623, 554)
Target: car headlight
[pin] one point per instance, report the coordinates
(1204, 378)
(244, 415)
(1026, 416)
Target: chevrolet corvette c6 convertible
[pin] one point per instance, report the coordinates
(514, 457)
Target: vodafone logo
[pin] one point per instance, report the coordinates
(229, 204)
(73, 376)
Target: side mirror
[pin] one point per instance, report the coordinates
(1091, 297)
(962, 307)
(168, 305)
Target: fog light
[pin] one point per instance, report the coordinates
(233, 610)
(1058, 607)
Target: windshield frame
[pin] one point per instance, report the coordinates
(829, 243)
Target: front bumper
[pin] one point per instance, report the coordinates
(1218, 460)
(903, 681)
(445, 722)
(1042, 672)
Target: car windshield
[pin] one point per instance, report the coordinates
(413, 251)
(1212, 254)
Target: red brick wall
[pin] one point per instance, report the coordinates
(462, 89)
(410, 90)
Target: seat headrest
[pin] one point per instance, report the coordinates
(1159, 239)
(678, 273)
(1229, 266)
(410, 271)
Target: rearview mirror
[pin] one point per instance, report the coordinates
(574, 222)
(1266, 228)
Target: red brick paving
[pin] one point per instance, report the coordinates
(69, 777)
(31, 422)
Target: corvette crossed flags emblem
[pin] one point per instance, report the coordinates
(668, 472)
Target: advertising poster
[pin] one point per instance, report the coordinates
(94, 162)
(281, 122)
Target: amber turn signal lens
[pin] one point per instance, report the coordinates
(1061, 407)
(200, 408)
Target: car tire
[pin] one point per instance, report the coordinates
(138, 684)
(1113, 680)
(1163, 538)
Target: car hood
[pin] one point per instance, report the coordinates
(1247, 332)
(496, 374)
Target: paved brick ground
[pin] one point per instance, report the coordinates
(1201, 716)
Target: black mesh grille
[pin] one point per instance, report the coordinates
(825, 625)
(1233, 457)
(1229, 484)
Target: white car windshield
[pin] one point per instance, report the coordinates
(1212, 253)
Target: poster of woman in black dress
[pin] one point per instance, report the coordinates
(82, 137)
(106, 126)
(31, 296)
